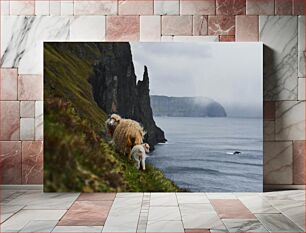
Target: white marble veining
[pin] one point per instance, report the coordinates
(33, 211)
(239, 225)
(290, 120)
(87, 28)
(105, 7)
(278, 223)
(170, 7)
(278, 163)
(6, 194)
(294, 210)
(293, 195)
(205, 216)
(39, 120)
(258, 205)
(20, 219)
(39, 226)
(22, 40)
(8, 210)
(39, 200)
(301, 46)
(269, 130)
(27, 109)
(279, 35)
(8, 198)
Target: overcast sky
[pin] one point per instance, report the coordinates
(230, 73)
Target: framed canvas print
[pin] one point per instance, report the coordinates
(153, 117)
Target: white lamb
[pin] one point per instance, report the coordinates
(139, 154)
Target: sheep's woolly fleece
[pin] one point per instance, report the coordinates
(127, 134)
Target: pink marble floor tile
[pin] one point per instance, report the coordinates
(10, 162)
(30, 87)
(226, 38)
(298, 7)
(97, 197)
(230, 7)
(196, 7)
(32, 162)
(269, 110)
(260, 7)
(105, 7)
(283, 7)
(231, 209)
(122, 28)
(21, 7)
(221, 25)
(136, 7)
(9, 120)
(247, 28)
(86, 213)
(200, 25)
(299, 162)
(176, 25)
(8, 84)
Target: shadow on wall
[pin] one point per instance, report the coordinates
(269, 81)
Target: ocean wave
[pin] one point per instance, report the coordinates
(189, 169)
(175, 170)
(223, 161)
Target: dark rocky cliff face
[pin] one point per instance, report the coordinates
(115, 89)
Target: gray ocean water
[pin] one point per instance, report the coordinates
(198, 155)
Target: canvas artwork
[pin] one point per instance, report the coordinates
(153, 117)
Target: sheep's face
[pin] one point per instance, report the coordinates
(113, 121)
(146, 146)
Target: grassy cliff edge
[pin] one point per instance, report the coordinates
(77, 155)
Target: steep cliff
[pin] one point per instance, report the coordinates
(144, 112)
(115, 89)
(186, 107)
(77, 156)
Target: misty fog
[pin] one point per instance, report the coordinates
(230, 73)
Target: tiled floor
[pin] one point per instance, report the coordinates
(35, 211)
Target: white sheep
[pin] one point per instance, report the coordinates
(139, 154)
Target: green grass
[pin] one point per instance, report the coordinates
(77, 155)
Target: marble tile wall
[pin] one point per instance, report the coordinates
(26, 24)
